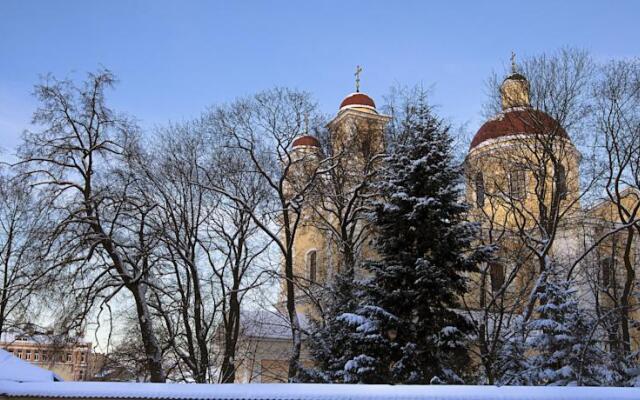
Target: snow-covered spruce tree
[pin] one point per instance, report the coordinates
(406, 328)
(512, 365)
(329, 340)
(561, 346)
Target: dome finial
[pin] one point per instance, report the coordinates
(357, 74)
(513, 62)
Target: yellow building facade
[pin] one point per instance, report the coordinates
(523, 185)
(522, 182)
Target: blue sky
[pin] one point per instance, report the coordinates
(174, 58)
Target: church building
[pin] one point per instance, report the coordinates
(522, 176)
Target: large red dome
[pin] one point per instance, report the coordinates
(515, 122)
(357, 99)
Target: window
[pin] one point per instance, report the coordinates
(28, 354)
(82, 357)
(36, 356)
(561, 181)
(517, 184)
(496, 271)
(606, 272)
(20, 354)
(479, 181)
(312, 265)
(68, 357)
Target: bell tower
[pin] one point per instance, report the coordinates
(357, 131)
(356, 144)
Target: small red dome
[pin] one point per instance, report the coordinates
(306, 140)
(357, 99)
(516, 122)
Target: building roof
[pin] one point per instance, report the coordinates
(290, 391)
(16, 370)
(306, 140)
(39, 338)
(357, 100)
(268, 324)
(518, 121)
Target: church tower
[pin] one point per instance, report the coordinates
(356, 144)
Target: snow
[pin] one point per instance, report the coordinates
(269, 324)
(14, 369)
(310, 391)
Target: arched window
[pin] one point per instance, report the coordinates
(479, 181)
(561, 181)
(312, 265)
(606, 272)
(496, 272)
(517, 184)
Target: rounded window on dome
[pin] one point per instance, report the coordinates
(561, 181)
(312, 265)
(479, 184)
(517, 184)
(496, 273)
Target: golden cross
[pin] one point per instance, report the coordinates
(513, 62)
(357, 74)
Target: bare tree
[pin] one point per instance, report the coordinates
(181, 298)
(24, 275)
(208, 245)
(102, 229)
(617, 121)
(239, 243)
(262, 129)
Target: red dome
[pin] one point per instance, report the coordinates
(517, 122)
(358, 99)
(307, 140)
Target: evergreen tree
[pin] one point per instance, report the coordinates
(406, 328)
(329, 337)
(512, 365)
(561, 345)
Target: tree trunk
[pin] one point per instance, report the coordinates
(294, 360)
(151, 345)
(231, 331)
(626, 293)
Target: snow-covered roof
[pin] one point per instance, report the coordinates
(284, 391)
(16, 370)
(13, 337)
(269, 324)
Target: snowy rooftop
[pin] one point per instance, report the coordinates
(16, 370)
(308, 392)
(20, 379)
(269, 324)
(14, 337)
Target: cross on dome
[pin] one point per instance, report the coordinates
(357, 74)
